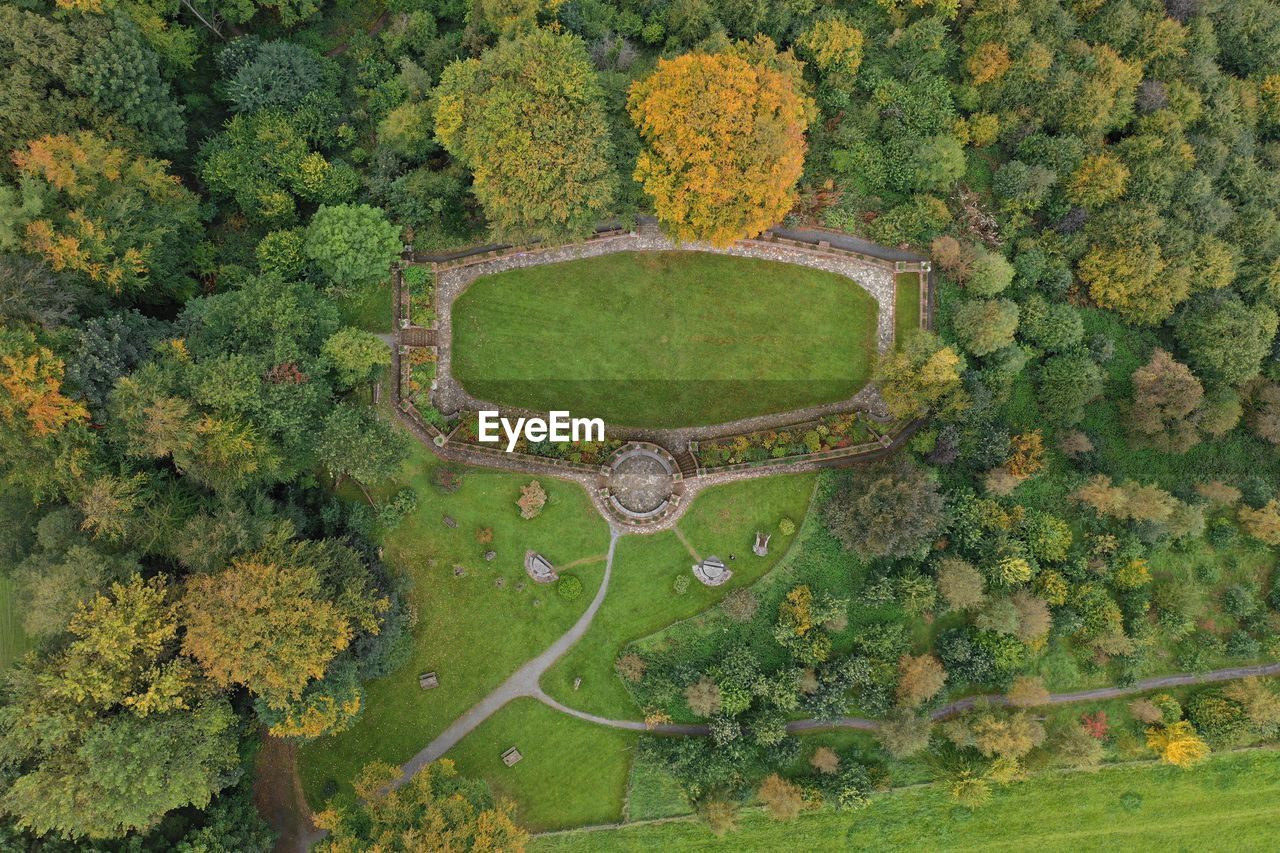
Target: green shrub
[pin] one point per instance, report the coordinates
(786, 526)
(281, 252)
(569, 587)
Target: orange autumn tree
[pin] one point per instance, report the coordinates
(45, 442)
(118, 219)
(32, 401)
(724, 140)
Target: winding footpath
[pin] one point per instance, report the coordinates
(523, 682)
(949, 710)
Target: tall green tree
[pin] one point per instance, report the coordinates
(353, 245)
(527, 117)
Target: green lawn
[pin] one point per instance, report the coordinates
(13, 643)
(1230, 803)
(664, 339)
(642, 599)
(470, 631)
(906, 305)
(368, 309)
(573, 773)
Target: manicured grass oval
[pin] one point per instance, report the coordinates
(664, 339)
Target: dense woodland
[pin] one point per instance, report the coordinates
(196, 198)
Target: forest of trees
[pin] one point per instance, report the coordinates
(193, 194)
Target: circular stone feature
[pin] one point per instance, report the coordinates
(640, 480)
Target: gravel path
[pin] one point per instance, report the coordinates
(523, 682)
(840, 240)
(949, 710)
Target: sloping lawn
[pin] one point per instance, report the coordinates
(573, 773)
(906, 309)
(664, 339)
(1229, 803)
(642, 597)
(471, 632)
(368, 308)
(13, 643)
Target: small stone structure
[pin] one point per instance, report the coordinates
(448, 521)
(640, 483)
(539, 567)
(489, 556)
(711, 571)
(511, 756)
(761, 548)
(428, 681)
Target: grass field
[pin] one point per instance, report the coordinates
(641, 599)
(368, 309)
(1230, 803)
(573, 773)
(12, 641)
(906, 305)
(664, 339)
(470, 631)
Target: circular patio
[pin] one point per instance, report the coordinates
(640, 481)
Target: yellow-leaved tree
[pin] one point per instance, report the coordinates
(922, 376)
(1178, 743)
(724, 140)
(274, 620)
(435, 810)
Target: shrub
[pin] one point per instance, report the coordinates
(703, 697)
(740, 605)
(1178, 744)
(786, 526)
(447, 478)
(631, 667)
(782, 799)
(990, 274)
(569, 587)
(532, 499)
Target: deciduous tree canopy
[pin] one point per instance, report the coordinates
(723, 140)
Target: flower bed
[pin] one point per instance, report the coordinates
(585, 452)
(832, 432)
(417, 372)
(421, 286)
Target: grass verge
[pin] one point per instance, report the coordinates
(642, 597)
(906, 305)
(1228, 803)
(472, 632)
(573, 773)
